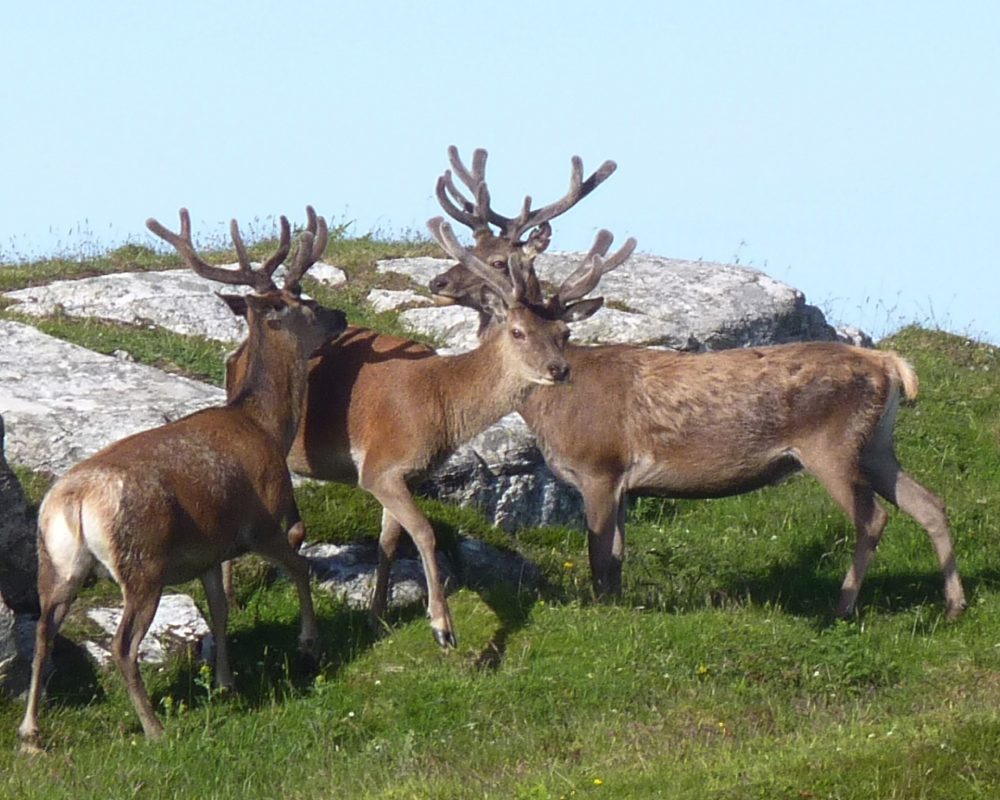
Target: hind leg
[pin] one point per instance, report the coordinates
(58, 584)
(853, 493)
(928, 510)
(388, 540)
(218, 605)
(141, 601)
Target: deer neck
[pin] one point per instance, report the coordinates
(481, 387)
(271, 389)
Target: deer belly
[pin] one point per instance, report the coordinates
(706, 479)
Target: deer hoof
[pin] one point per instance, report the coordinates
(445, 639)
(31, 745)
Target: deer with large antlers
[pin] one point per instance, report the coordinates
(637, 420)
(171, 504)
(381, 411)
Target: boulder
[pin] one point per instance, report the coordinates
(178, 626)
(348, 571)
(177, 300)
(18, 575)
(63, 403)
(18, 548)
(651, 301)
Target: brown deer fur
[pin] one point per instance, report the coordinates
(649, 421)
(170, 504)
(700, 425)
(383, 411)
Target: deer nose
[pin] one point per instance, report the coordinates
(438, 284)
(559, 371)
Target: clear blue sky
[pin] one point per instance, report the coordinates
(851, 149)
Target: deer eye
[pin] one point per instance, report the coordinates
(517, 333)
(498, 263)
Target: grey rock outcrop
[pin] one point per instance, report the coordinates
(18, 558)
(178, 625)
(654, 301)
(177, 300)
(18, 569)
(348, 571)
(63, 403)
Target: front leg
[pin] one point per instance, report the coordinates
(605, 509)
(394, 495)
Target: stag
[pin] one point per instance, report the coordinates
(171, 504)
(381, 411)
(643, 421)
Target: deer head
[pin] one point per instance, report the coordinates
(278, 308)
(525, 235)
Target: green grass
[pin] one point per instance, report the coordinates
(720, 673)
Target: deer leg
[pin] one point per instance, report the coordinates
(388, 540)
(227, 582)
(141, 602)
(56, 595)
(892, 483)
(852, 492)
(393, 494)
(278, 551)
(218, 606)
(605, 536)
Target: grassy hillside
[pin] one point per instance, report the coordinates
(720, 674)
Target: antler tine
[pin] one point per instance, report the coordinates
(183, 244)
(279, 256)
(312, 245)
(463, 214)
(578, 189)
(446, 238)
(585, 277)
(260, 281)
(477, 175)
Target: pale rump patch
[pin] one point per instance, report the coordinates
(75, 529)
(66, 550)
(96, 527)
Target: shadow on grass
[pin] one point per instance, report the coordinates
(75, 679)
(806, 585)
(513, 609)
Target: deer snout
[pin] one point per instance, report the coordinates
(438, 284)
(442, 290)
(559, 370)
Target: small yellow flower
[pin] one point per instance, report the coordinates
(598, 782)
(703, 669)
(568, 565)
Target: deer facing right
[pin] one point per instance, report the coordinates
(380, 411)
(699, 425)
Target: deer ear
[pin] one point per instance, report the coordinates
(237, 303)
(539, 240)
(582, 309)
(492, 304)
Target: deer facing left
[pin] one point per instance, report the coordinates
(170, 504)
